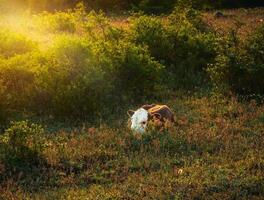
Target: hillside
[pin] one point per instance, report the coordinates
(68, 78)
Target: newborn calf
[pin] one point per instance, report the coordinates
(141, 117)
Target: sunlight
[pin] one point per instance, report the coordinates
(27, 25)
(191, 82)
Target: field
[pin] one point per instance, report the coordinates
(68, 78)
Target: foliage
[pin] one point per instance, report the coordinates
(17, 65)
(17, 80)
(90, 65)
(56, 23)
(77, 75)
(89, 69)
(135, 73)
(24, 143)
(69, 83)
(12, 43)
(187, 45)
(240, 66)
(150, 31)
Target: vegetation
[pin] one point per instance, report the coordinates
(148, 6)
(214, 151)
(68, 77)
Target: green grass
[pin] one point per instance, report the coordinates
(214, 151)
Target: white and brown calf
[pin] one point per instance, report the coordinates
(141, 117)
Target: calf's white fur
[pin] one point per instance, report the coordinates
(139, 120)
(141, 117)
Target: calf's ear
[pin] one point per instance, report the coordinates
(157, 116)
(147, 107)
(130, 113)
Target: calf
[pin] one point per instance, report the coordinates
(141, 117)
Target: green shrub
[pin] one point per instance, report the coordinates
(185, 15)
(80, 78)
(183, 44)
(69, 83)
(150, 31)
(3, 114)
(134, 72)
(24, 142)
(239, 67)
(17, 75)
(12, 43)
(192, 54)
(255, 53)
(56, 23)
(96, 25)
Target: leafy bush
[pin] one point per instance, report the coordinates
(79, 77)
(240, 67)
(17, 75)
(135, 74)
(3, 114)
(255, 52)
(150, 31)
(25, 142)
(12, 43)
(16, 71)
(183, 44)
(96, 25)
(185, 15)
(56, 23)
(69, 83)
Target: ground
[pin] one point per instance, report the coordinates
(214, 151)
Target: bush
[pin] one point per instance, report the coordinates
(16, 71)
(12, 43)
(187, 45)
(17, 76)
(56, 23)
(24, 142)
(150, 31)
(69, 83)
(185, 15)
(240, 67)
(3, 114)
(255, 50)
(79, 78)
(135, 74)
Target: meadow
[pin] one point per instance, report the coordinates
(67, 79)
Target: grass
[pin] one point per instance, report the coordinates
(246, 20)
(242, 20)
(214, 151)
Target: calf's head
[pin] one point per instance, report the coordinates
(139, 119)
